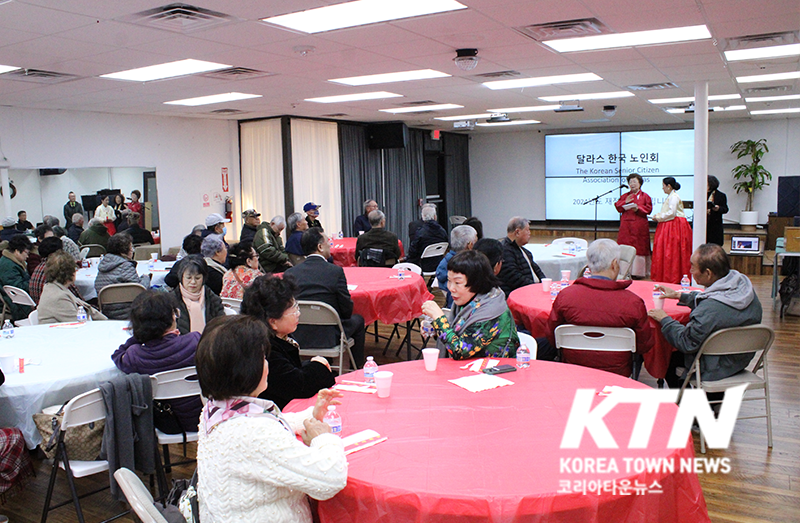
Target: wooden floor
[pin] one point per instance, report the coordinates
(764, 484)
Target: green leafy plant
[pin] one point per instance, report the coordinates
(753, 176)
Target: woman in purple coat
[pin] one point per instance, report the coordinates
(157, 346)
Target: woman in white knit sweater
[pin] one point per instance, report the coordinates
(251, 466)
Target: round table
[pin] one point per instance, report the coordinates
(380, 295)
(344, 251)
(531, 308)
(454, 455)
(552, 260)
(62, 361)
(84, 279)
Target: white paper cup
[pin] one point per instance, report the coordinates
(154, 256)
(565, 274)
(431, 357)
(546, 282)
(9, 364)
(659, 303)
(383, 381)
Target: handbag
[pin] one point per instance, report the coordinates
(180, 504)
(165, 420)
(83, 442)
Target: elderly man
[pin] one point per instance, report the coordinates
(269, 246)
(251, 222)
(727, 301)
(519, 269)
(462, 238)
(377, 238)
(296, 225)
(75, 227)
(362, 223)
(430, 233)
(312, 214)
(71, 208)
(602, 301)
(416, 225)
(97, 233)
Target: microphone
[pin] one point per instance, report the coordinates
(623, 186)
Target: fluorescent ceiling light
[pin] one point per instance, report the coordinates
(777, 111)
(632, 39)
(587, 96)
(375, 95)
(689, 99)
(717, 109)
(775, 51)
(542, 80)
(525, 109)
(773, 98)
(7, 68)
(422, 108)
(768, 77)
(360, 12)
(168, 70)
(512, 122)
(213, 99)
(463, 117)
(403, 76)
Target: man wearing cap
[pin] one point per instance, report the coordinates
(215, 226)
(251, 223)
(9, 229)
(312, 214)
(269, 246)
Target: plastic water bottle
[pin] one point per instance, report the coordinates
(370, 368)
(657, 294)
(564, 283)
(333, 419)
(685, 283)
(554, 289)
(572, 248)
(427, 328)
(340, 235)
(401, 273)
(523, 357)
(8, 329)
(82, 317)
(587, 273)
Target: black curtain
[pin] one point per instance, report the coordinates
(361, 173)
(456, 171)
(404, 175)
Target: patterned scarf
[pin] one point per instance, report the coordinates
(218, 411)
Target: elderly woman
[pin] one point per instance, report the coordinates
(462, 238)
(253, 466)
(634, 206)
(14, 272)
(57, 303)
(215, 252)
(244, 269)
(197, 303)
(157, 346)
(480, 323)
(672, 244)
(272, 301)
(118, 266)
(96, 233)
(296, 226)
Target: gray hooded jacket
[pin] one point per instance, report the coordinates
(116, 269)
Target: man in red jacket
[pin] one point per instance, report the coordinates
(602, 301)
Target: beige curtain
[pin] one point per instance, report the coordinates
(262, 169)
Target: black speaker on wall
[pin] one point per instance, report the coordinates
(387, 135)
(789, 196)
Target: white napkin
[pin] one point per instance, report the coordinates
(480, 382)
(361, 440)
(351, 287)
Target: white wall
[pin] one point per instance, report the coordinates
(187, 153)
(507, 169)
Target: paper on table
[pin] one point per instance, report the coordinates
(361, 440)
(351, 287)
(480, 382)
(629, 206)
(74, 325)
(355, 388)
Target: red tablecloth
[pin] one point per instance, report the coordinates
(379, 296)
(494, 456)
(344, 252)
(531, 308)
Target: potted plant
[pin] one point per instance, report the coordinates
(752, 176)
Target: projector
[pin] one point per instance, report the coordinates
(569, 107)
(464, 124)
(498, 117)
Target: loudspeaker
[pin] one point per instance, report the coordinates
(387, 135)
(788, 195)
(51, 172)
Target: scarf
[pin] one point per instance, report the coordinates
(219, 411)
(196, 306)
(483, 307)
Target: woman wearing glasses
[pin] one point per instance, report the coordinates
(271, 300)
(244, 270)
(197, 303)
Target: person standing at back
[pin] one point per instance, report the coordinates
(717, 206)
(71, 208)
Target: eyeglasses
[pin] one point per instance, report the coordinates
(294, 309)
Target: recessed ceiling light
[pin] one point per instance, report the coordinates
(385, 78)
(772, 98)
(168, 70)
(463, 117)
(716, 109)
(525, 109)
(375, 95)
(512, 122)
(777, 111)
(213, 99)
(422, 108)
(360, 12)
(730, 108)
(542, 80)
(768, 77)
(775, 51)
(632, 39)
(688, 99)
(587, 96)
(7, 68)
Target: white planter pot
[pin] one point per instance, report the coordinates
(748, 220)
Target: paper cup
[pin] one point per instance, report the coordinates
(8, 364)
(431, 357)
(383, 381)
(565, 274)
(659, 303)
(546, 282)
(154, 256)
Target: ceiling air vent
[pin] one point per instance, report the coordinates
(771, 89)
(652, 87)
(564, 29)
(418, 102)
(761, 40)
(225, 112)
(39, 76)
(498, 74)
(237, 73)
(179, 18)
(335, 115)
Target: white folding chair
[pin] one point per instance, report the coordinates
(138, 496)
(436, 250)
(594, 338)
(579, 242)
(413, 267)
(736, 340)
(84, 253)
(530, 342)
(19, 296)
(457, 220)
(95, 250)
(321, 314)
(232, 303)
(169, 385)
(626, 256)
(81, 410)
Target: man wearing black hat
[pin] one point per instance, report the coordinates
(251, 223)
(312, 213)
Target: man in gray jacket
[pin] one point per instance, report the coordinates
(727, 301)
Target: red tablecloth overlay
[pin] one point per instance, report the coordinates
(495, 456)
(531, 307)
(380, 295)
(344, 252)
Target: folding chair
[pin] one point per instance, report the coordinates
(372, 258)
(232, 303)
(726, 342)
(594, 338)
(19, 296)
(33, 319)
(143, 252)
(436, 250)
(170, 385)
(530, 342)
(95, 250)
(296, 259)
(626, 256)
(457, 220)
(321, 314)
(138, 496)
(118, 293)
(579, 242)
